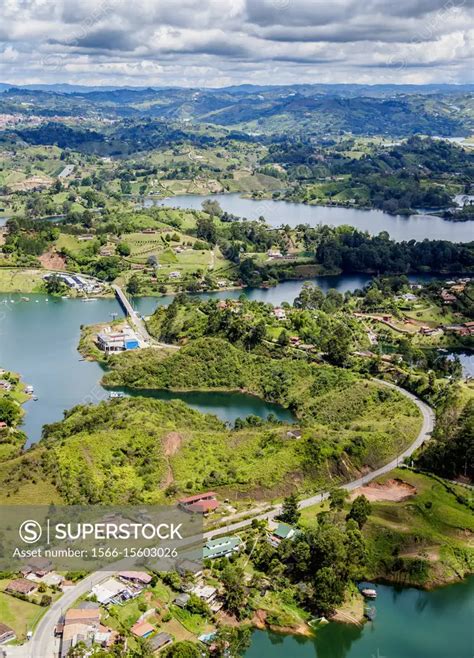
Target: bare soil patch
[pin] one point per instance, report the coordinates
(51, 260)
(172, 443)
(394, 490)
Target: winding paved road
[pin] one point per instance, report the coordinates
(44, 645)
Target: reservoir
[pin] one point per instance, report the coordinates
(276, 213)
(39, 340)
(410, 623)
(228, 406)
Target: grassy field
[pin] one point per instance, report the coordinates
(20, 280)
(432, 315)
(24, 484)
(74, 246)
(432, 526)
(19, 615)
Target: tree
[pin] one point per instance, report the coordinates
(133, 285)
(338, 345)
(185, 649)
(80, 650)
(290, 512)
(231, 641)
(197, 606)
(9, 411)
(206, 229)
(55, 286)
(123, 249)
(337, 498)
(311, 297)
(329, 590)
(234, 594)
(283, 338)
(355, 545)
(212, 207)
(360, 510)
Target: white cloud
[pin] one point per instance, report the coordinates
(214, 42)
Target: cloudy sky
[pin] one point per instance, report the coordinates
(222, 42)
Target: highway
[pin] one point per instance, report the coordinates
(43, 643)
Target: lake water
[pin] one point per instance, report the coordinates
(39, 340)
(276, 213)
(467, 362)
(410, 623)
(283, 292)
(227, 406)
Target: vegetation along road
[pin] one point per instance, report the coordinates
(43, 643)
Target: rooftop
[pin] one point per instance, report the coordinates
(160, 640)
(4, 630)
(142, 629)
(141, 576)
(197, 497)
(85, 615)
(284, 531)
(221, 546)
(22, 586)
(203, 506)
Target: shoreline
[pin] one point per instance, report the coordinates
(267, 196)
(23, 290)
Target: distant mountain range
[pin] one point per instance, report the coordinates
(343, 89)
(318, 109)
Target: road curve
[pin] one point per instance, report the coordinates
(43, 643)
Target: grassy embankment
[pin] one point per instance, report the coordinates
(138, 449)
(11, 438)
(426, 539)
(21, 280)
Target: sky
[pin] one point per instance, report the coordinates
(215, 43)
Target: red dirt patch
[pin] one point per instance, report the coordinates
(172, 443)
(392, 490)
(51, 260)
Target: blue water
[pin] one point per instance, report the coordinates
(410, 623)
(276, 213)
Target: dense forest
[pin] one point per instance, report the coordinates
(452, 454)
(351, 250)
(397, 179)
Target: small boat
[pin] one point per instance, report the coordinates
(369, 593)
(370, 612)
(89, 299)
(115, 395)
(35, 398)
(318, 621)
(25, 299)
(29, 389)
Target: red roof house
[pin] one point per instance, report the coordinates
(142, 629)
(200, 503)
